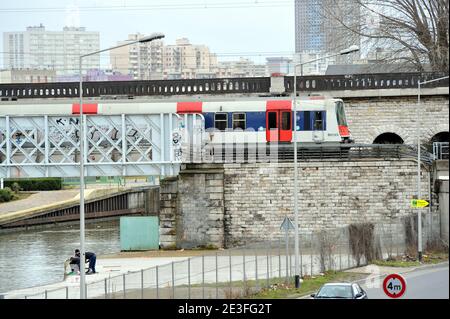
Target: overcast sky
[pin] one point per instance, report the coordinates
(249, 28)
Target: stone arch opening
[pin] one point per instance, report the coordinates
(388, 138)
(439, 137)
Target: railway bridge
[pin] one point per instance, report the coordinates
(229, 203)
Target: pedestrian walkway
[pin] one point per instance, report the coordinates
(38, 199)
(106, 268)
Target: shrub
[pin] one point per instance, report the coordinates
(36, 184)
(6, 194)
(16, 187)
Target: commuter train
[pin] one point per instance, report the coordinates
(319, 120)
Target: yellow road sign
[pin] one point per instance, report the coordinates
(419, 203)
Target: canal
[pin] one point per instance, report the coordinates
(36, 257)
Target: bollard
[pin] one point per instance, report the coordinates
(106, 289)
(67, 292)
(45, 294)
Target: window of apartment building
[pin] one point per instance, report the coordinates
(239, 121)
(221, 121)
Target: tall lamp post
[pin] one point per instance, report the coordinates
(419, 214)
(154, 36)
(351, 49)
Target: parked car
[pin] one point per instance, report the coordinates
(341, 290)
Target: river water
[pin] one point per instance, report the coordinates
(36, 257)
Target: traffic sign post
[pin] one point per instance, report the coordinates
(419, 203)
(287, 225)
(394, 286)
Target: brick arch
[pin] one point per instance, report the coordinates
(428, 133)
(375, 132)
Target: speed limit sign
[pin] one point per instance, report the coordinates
(394, 286)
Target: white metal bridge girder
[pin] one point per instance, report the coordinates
(115, 145)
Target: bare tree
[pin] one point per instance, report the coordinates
(415, 31)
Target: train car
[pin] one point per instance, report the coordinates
(319, 120)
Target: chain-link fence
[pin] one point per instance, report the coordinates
(243, 271)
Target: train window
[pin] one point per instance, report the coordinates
(340, 113)
(286, 120)
(239, 121)
(272, 120)
(318, 121)
(221, 121)
(307, 121)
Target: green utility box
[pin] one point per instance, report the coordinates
(139, 233)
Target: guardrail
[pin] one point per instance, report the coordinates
(363, 81)
(261, 85)
(136, 88)
(257, 153)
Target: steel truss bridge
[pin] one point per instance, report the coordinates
(115, 145)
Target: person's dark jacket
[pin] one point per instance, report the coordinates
(76, 259)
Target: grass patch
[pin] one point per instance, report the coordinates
(308, 286)
(395, 263)
(403, 261)
(23, 195)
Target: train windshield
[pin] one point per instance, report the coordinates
(340, 113)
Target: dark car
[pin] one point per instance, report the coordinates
(341, 290)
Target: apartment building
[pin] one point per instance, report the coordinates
(37, 48)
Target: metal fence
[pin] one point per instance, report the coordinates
(241, 272)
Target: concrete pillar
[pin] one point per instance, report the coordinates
(443, 209)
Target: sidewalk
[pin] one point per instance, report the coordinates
(106, 268)
(38, 199)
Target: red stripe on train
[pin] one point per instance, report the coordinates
(87, 108)
(189, 107)
(343, 131)
(279, 105)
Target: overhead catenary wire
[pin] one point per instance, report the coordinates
(177, 6)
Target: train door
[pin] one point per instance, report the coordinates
(318, 126)
(279, 126)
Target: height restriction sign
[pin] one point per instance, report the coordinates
(394, 286)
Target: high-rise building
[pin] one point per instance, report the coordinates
(143, 61)
(184, 60)
(317, 32)
(39, 49)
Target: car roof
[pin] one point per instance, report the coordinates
(339, 284)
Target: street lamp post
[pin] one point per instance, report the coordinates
(351, 49)
(154, 36)
(419, 214)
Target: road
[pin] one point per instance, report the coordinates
(428, 283)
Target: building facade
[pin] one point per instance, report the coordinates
(317, 31)
(37, 48)
(142, 61)
(27, 76)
